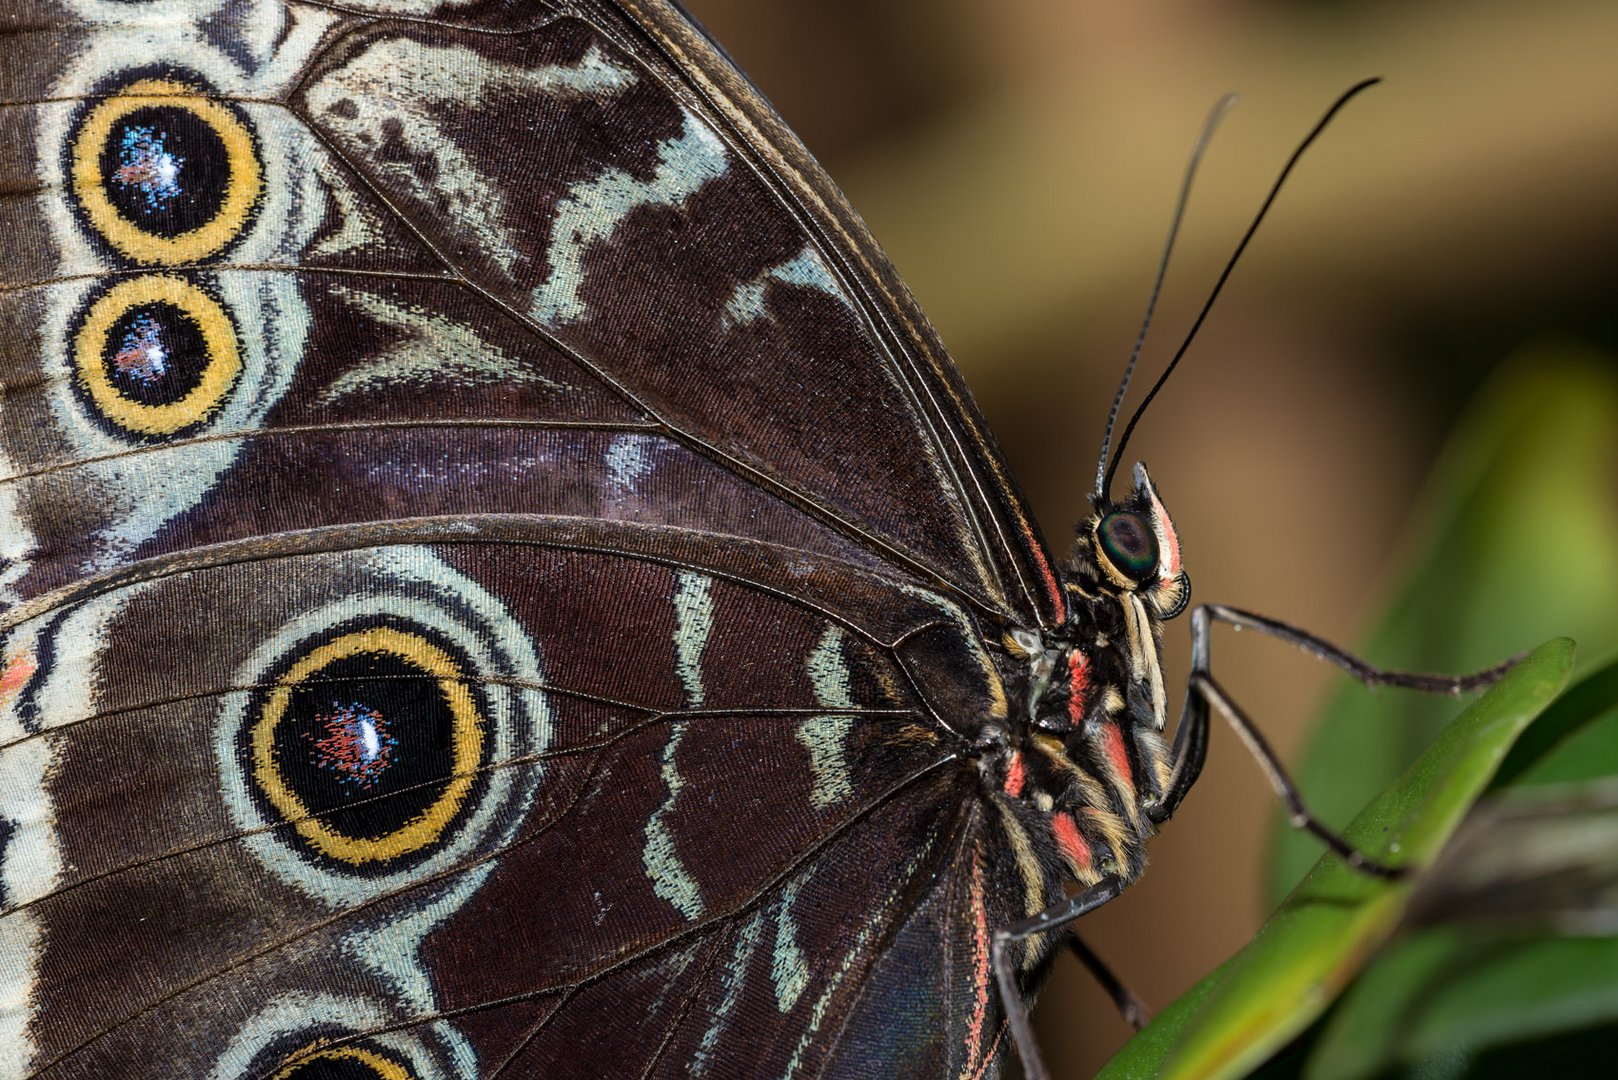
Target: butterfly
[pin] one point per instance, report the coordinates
(499, 577)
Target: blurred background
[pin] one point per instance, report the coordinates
(1019, 159)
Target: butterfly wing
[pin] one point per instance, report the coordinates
(505, 215)
(1009, 538)
(490, 550)
(392, 806)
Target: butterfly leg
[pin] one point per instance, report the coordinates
(1299, 815)
(1005, 974)
(1359, 669)
(1130, 1007)
(1203, 690)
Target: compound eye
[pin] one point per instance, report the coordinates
(1127, 543)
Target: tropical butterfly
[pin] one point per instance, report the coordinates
(500, 579)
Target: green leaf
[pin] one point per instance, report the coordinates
(1143, 1055)
(1452, 991)
(1532, 859)
(1521, 543)
(1576, 739)
(1315, 942)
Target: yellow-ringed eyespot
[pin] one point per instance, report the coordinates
(369, 744)
(342, 1063)
(164, 174)
(155, 355)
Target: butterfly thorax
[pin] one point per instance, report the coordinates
(1084, 763)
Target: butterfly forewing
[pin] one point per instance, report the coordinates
(493, 562)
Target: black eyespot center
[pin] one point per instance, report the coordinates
(1128, 543)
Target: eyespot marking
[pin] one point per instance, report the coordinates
(164, 174)
(342, 1063)
(155, 356)
(369, 745)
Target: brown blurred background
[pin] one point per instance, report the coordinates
(1018, 159)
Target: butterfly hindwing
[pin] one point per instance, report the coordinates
(678, 784)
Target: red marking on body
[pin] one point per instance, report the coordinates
(19, 669)
(1112, 741)
(980, 956)
(1078, 685)
(1171, 565)
(1016, 775)
(1068, 839)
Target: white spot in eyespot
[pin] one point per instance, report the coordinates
(370, 741)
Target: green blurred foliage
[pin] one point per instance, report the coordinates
(1452, 994)
(1520, 544)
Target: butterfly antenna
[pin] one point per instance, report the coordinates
(1216, 114)
(1230, 265)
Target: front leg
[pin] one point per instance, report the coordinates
(1368, 674)
(1202, 690)
(1131, 1008)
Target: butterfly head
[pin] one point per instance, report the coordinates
(1129, 549)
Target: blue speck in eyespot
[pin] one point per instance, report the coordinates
(142, 354)
(145, 164)
(356, 747)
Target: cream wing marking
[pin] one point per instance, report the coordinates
(807, 268)
(824, 736)
(693, 624)
(593, 209)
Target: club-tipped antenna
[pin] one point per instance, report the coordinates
(1230, 265)
(1215, 114)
